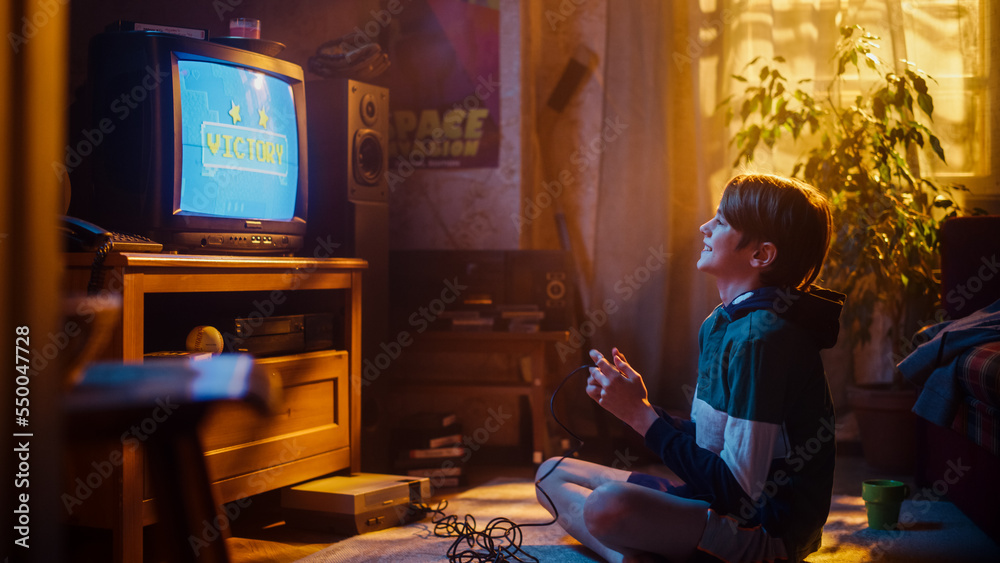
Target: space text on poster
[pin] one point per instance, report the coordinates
(444, 79)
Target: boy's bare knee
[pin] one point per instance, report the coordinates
(545, 467)
(605, 509)
(551, 481)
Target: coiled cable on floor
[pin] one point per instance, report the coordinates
(500, 540)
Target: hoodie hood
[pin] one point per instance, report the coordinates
(816, 311)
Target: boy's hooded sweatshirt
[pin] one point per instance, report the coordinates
(760, 445)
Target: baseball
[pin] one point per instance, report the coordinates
(204, 339)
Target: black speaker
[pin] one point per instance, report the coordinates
(348, 125)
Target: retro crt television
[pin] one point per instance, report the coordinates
(202, 146)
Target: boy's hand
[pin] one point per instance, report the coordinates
(619, 389)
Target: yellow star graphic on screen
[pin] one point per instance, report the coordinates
(235, 113)
(263, 119)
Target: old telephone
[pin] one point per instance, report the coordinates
(84, 236)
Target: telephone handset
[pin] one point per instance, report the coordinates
(84, 236)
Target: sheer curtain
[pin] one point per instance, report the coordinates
(662, 67)
(627, 162)
(653, 195)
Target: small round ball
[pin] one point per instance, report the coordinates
(205, 339)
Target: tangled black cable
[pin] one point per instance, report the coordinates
(500, 540)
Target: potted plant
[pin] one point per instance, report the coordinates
(863, 153)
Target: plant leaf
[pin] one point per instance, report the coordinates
(813, 124)
(926, 104)
(942, 202)
(900, 98)
(878, 108)
(936, 145)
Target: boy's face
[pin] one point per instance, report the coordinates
(720, 257)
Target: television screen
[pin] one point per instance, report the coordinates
(239, 142)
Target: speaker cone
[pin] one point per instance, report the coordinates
(369, 111)
(369, 157)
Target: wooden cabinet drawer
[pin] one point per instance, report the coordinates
(310, 366)
(312, 419)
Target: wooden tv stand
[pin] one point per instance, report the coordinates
(163, 296)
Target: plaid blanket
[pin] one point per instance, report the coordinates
(978, 376)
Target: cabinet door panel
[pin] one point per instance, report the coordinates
(305, 406)
(311, 420)
(273, 455)
(311, 366)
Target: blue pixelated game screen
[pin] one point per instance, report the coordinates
(239, 139)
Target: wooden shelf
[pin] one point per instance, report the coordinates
(527, 350)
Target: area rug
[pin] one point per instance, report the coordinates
(928, 532)
(417, 542)
(932, 532)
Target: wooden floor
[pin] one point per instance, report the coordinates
(262, 537)
(259, 534)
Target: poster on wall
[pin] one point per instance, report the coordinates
(444, 84)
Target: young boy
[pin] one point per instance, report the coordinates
(757, 455)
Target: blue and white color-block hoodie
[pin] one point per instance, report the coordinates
(760, 445)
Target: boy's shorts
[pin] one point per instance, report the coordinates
(723, 540)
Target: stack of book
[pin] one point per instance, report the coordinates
(521, 318)
(468, 320)
(430, 445)
(509, 318)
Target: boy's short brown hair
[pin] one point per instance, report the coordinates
(786, 212)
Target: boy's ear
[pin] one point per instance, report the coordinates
(764, 255)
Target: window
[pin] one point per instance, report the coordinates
(953, 41)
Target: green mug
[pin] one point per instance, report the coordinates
(883, 498)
